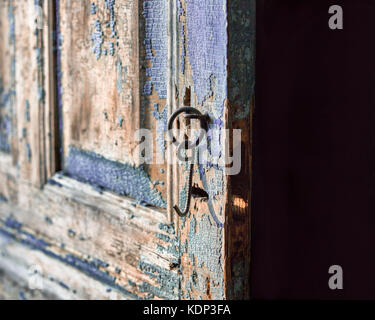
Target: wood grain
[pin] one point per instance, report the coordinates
(77, 219)
(101, 109)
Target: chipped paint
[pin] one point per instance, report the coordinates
(5, 121)
(155, 14)
(3, 198)
(166, 285)
(207, 50)
(181, 13)
(22, 296)
(97, 39)
(7, 95)
(122, 74)
(205, 71)
(93, 9)
(13, 230)
(28, 152)
(171, 243)
(204, 249)
(101, 45)
(169, 283)
(161, 127)
(122, 179)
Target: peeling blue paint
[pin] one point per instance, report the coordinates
(110, 5)
(161, 127)
(71, 233)
(132, 284)
(120, 121)
(122, 179)
(48, 220)
(93, 9)
(12, 224)
(99, 263)
(53, 182)
(207, 50)
(98, 37)
(111, 48)
(3, 198)
(63, 285)
(204, 247)
(40, 60)
(22, 296)
(7, 95)
(169, 283)
(181, 13)
(206, 40)
(155, 14)
(218, 186)
(86, 267)
(5, 121)
(122, 74)
(24, 133)
(172, 244)
(28, 152)
(163, 237)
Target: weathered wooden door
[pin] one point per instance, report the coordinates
(81, 215)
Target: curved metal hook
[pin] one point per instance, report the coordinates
(190, 186)
(192, 113)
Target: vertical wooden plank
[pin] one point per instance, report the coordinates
(202, 84)
(155, 61)
(51, 134)
(241, 82)
(31, 91)
(172, 104)
(8, 138)
(216, 75)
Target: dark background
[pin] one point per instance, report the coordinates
(314, 138)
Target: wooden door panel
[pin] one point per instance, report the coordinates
(100, 77)
(106, 95)
(74, 197)
(74, 223)
(122, 245)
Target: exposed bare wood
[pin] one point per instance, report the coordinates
(101, 89)
(203, 239)
(85, 238)
(37, 276)
(30, 94)
(11, 288)
(8, 119)
(104, 226)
